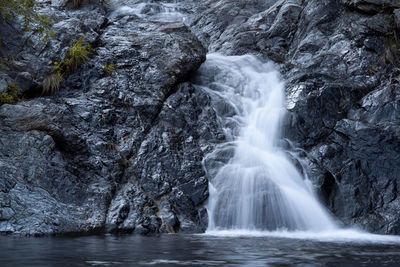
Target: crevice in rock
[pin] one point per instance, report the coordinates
(329, 189)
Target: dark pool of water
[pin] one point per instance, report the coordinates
(170, 250)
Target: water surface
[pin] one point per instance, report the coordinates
(208, 250)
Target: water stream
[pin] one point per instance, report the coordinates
(259, 188)
(153, 11)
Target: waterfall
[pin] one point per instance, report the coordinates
(153, 11)
(258, 188)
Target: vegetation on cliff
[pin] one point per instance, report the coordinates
(26, 10)
(79, 53)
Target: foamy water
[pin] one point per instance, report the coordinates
(164, 12)
(259, 188)
(336, 236)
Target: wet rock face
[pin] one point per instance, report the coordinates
(345, 112)
(114, 151)
(342, 93)
(371, 6)
(167, 166)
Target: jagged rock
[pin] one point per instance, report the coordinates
(64, 159)
(371, 6)
(397, 17)
(167, 165)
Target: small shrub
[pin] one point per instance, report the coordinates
(110, 68)
(10, 96)
(78, 53)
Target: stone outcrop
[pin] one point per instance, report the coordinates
(109, 152)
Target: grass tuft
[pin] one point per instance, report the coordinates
(52, 83)
(109, 69)
(79, 53)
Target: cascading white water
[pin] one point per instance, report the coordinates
(259, 188)
(158, 11)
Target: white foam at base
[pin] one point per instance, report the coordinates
(335, 236)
